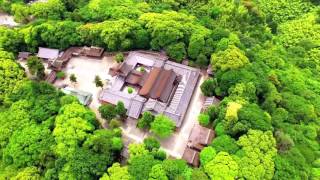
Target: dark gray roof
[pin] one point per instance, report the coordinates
(136, 107)
(84, 97)
(210, 101)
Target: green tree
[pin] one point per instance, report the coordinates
(120, 109)
(137, 150)
(107, 111)
(31, 173)
(202, 61)
(145, 121)
(157, 173)
(98, 82)
(119, 57)
(73, 125)
(259, 152)
(140, 166)
(204, 119)
(177, 51)
(225, 143)
(116, 172)
(11, 77)
(162, 126)
(176, 168)
(73, 78)
(208, 87)
(36, 67)
(114, 123)
(231, 58)
(206, 155)
(21, 13)
(53, 9)
(10, 39)
(223, 166)
(29, 147)
(151, 143)
(198, 174)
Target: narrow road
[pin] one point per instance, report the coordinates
(191, 118)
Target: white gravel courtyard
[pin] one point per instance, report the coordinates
(85, 70)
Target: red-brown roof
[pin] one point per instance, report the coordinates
(146, 88)
(51, 77)
(200, 136)
(191, 156)
(159, 84)
(93, 51)
(134, 77)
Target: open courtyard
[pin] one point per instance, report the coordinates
(86, 69)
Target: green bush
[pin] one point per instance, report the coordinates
(145, 121)
(107, 111)
(162, 126)
(114, 123)
(61, 75)
(130, 90)
(204, 119)
(151, 143)
(208, 87)
(119, 57)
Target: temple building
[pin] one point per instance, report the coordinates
(159, 85)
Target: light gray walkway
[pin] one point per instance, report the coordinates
(177, 143)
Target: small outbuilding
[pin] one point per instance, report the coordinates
(209, 101)
(23, 56)
(51, 77)
(92, 51)
(191, 156)
(200, 137)
(48, 53)
(209, 71)
(84, 98)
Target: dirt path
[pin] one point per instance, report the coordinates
(7, 20)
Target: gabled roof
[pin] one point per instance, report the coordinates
(210, 101)
(149, 83)
(23, 55)
(136, 107)
(93, 51)
(161, 83)
(201, 136)
(51, 77)
(83, 97)
(47, 53)
(191, 156)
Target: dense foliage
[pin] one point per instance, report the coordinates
(265, 57)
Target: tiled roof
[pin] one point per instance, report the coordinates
(23, 55)
(201, 136)
(84, 97)
(191, 156)
(47, 53)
